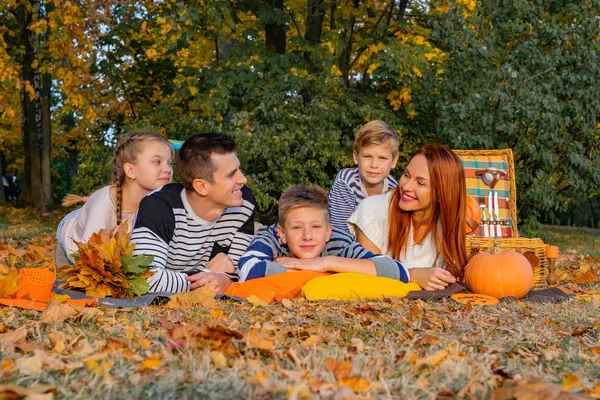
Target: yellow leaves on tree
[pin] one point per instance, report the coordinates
(105, 266)
(399, 98)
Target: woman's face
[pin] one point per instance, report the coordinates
(415, 186)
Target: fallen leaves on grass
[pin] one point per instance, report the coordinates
(204, 296)
(12, 337)
(57, 312)
(15, 391)
(533, 388)
(585, 278)
(210, 333)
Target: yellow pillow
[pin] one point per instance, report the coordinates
(350, 286)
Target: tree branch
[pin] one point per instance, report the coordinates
(294, 21)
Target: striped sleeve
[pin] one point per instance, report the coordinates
(342, 201)
(153, 230)
(342, 244)
(257, 261)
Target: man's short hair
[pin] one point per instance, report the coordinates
(302, 196)
(193, 160)
(378, 133)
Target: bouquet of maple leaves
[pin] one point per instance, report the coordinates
(105, 266)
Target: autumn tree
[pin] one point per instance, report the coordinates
(44, 48)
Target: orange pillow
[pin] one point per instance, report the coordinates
(275, 287)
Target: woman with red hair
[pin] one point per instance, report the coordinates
(421, 222)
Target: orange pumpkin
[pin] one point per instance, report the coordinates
(473, 214)
(499, 273)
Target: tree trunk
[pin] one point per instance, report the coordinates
(275, 29)
(592, 215)
(345, 56)
(316, 10)
(314, 21)
(401, 10)
(46, 200)
(46, 132)
(2, 198)
(32, 183)
(332, 8)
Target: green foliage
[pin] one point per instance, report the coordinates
(473, 75)
(524, 75)
(95, 169)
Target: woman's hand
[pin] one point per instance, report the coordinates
(319, 264)
(431, 278)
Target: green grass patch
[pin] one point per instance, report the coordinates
(585, 241)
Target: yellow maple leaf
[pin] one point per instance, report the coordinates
(8, 284)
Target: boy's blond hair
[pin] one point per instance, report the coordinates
(302, 196)
(376, 132)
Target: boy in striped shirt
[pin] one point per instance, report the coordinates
(375, 154)
(197, 229)
(305, 240)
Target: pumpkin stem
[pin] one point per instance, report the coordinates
(495, 249)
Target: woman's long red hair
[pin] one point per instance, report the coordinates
(448, 199)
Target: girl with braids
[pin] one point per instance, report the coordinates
(142, 163)
(424, 226)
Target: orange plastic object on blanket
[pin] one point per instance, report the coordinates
(275, 287)
(37, 283)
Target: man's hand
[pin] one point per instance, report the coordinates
(219, 282)
(221, 263)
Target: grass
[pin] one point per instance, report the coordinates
(20, 226)
(397, 348)
(573, 239)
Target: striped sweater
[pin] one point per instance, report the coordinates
(347, 191)
(181, 243)
(258, 260)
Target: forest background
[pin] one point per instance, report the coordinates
(292, 80)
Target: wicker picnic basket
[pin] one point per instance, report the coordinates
(477, 242)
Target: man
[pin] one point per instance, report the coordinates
(197, 229)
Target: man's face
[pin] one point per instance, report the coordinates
(226, 189)
(305, 231)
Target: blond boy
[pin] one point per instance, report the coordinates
(375, 154)
(305, 240)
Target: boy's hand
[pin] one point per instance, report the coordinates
(221, 263)
(431, 278)
(319, 264)
(219, 282)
